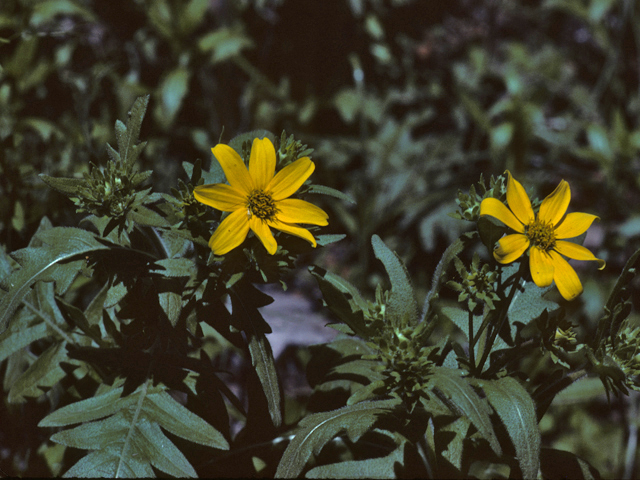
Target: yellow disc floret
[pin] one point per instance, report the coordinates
(541, 234)
(262, 205)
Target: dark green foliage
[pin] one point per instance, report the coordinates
(143, 354)
(317, 430)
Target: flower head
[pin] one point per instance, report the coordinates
(257, 198)
(543, 234)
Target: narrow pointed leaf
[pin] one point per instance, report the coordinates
(161, 452)
(18, 336)
(319, 429)
(381, 467)
(332, 192)
(89, 409)
(180, 421)
(517, 411)
(126, 432)
(454, 450)
(63, 243)
(44, 372)
(341, 284)
(105, 463)
(127, 136)
(463, 400)
(402, 308)
(343, 303)
(67, 186)
(262, 359)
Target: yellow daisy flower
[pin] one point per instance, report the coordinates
(258, 198)
(544, 233)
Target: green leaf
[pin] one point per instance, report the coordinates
(44, 372)
(175, 267)
(517, 411)
(172, 90)
(237, 141)
(19, 335)
(381, 467)
(460, 318)
(96, 306)
(145, 216)
(454, 450)
(402, 309)
(332, 192)
(462, 400)
(490, 231)
(440, 273)
(316, 430)
(129, 439)
(180, 421)
(107, 464)
(192, 15)
(45, 263)
(46, 11)
(341, 284)
(5, 264)
(102, 405)
(255, 327)
(324, 240)
(343, 300)
(611, 321)
(171, 304)
(225, 43)
(67, 186)
(127, 135)
(528, 304)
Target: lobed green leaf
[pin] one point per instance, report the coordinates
(129, 439)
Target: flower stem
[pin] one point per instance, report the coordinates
(515, 285)
(472, 342)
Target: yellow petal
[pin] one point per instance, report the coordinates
(262, 231)
(288, 180)
(541, 267)
(292, 210)
(230, 233)
(555, 205)
(294, 230)
(565, 277)
(233, 167)
(262, 163)
(574, 224)
(510, 248)
(577, 252)
(495, 208)
(518, 200)
(220, 196)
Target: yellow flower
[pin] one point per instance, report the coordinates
(258, 198)
(544, 233)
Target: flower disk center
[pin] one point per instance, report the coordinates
(541, 234)
(262, 205)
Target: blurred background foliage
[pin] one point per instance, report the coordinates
(404, 101)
